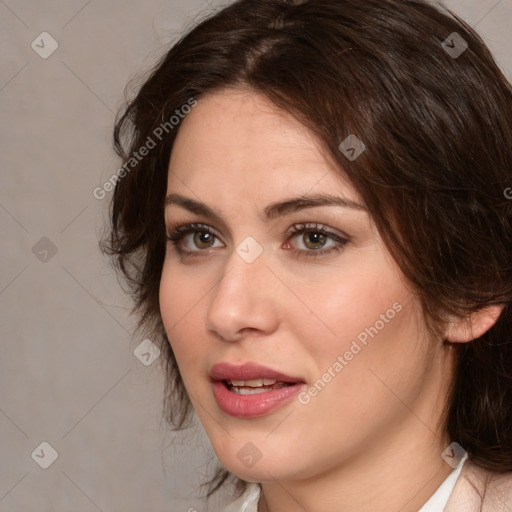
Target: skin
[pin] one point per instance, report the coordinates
(372, 439)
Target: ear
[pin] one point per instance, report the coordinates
(462, 330)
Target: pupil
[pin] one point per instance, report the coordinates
(315, 239)
(203, 238)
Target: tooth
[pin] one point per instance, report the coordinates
(254, 383)
(247, 391)
(251, 383)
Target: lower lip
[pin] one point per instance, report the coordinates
(252, 406)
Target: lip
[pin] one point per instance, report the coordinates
(247, 371)
(251, 406)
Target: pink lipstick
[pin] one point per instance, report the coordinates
(251, 390)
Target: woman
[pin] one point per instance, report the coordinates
(312, 219)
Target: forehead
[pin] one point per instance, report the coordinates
(238, 142)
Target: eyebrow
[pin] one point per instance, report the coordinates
(273, 210)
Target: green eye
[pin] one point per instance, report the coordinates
(317, 240)
(313, 240)
(203, 239)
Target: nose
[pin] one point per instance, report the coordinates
(244, 300)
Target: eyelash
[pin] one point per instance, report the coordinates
(177, 233)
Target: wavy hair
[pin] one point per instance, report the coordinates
(436, 119)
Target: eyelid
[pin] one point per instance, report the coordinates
(176, 234)
(300, 227)
(293, 230)
(339, 239)
(173, 229)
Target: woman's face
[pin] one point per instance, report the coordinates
(287, 271)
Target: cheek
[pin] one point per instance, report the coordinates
(345, 304)
(181, 293)
(168, 300)
(360, 388)
(366, 330)
(179, 307)
(385, 349)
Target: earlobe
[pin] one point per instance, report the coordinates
(462, 330)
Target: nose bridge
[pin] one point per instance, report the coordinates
(241, 280)
(246, 266)
(241, 299)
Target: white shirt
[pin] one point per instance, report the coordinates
(248, 502)
(440, 498)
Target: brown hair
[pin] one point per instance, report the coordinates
(437, 127)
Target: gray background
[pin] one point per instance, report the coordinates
(68, 375)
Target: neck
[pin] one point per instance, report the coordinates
(375, 487)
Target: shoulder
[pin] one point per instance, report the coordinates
(480, 490)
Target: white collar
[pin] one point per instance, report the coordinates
(248, 502)
(440, 498)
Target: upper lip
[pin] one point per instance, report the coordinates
(248, 371)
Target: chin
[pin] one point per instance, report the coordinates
(264, 469)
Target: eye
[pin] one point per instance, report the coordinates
(314, 240)
(192, 238)
(310, 240)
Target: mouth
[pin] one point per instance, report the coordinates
(251, 390)
(254, 386)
